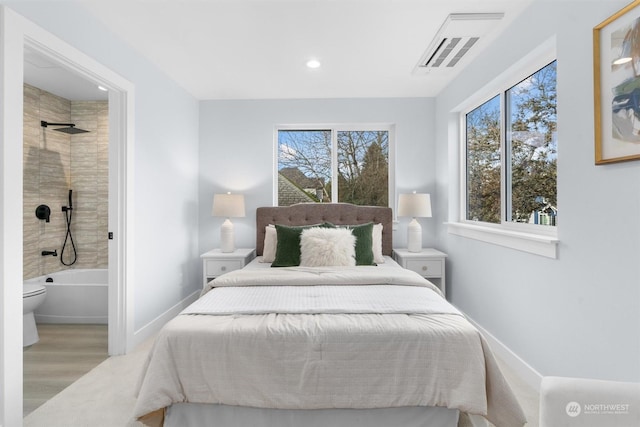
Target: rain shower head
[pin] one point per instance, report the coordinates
(70, 127)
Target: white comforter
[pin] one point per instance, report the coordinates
(338, 360)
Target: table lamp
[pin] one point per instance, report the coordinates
(415, 205)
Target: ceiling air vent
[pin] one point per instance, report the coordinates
(455, 38)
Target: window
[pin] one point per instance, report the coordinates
(511, 154)
(325, 164)
(484, 162)
(532, 149)
(508, 193)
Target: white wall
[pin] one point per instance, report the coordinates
(167, 267)
(237, 151)
(578, 315)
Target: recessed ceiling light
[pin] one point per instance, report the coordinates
(313, 63)
(102, 88)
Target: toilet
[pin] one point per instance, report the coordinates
(32, 296)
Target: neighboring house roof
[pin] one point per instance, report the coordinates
(300, 179)
(290, 194)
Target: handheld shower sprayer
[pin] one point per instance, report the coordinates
(69, 207)
(68, 212)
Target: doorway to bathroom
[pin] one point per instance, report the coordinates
(65, 246)
(83, 174)
(71, 174)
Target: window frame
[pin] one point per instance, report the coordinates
(532, 238)
(335, 128)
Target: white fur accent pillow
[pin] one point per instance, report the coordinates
(327, 247)
(378, 258)
(270, 243)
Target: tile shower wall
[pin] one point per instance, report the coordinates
(55, 162)
(89, 181)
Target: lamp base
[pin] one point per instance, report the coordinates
(227, 239)
(414, 236)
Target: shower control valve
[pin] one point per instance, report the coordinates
(43, 212)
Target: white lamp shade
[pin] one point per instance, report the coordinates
(228, 205)
(415, 205)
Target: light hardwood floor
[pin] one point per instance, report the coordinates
(64, 354)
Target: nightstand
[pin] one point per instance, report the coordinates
(429, 264)
(216, 263)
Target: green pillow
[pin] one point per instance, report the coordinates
(364, 243)
(288, 246)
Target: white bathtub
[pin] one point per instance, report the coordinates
(74, 296)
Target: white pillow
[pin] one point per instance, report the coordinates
(327, 247)
(378, 258)
(270, 244)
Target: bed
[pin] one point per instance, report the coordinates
(312, 344)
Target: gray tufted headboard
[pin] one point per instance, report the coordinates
(316, 213)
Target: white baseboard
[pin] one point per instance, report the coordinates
(512, 360)
(156, 324)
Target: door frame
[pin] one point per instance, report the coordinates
(16, 33)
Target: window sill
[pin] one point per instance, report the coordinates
(537, 244)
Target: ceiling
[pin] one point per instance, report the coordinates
(257, 49)
(44, 73)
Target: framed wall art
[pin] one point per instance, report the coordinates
(616, 63)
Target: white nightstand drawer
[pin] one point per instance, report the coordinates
(216, 263)
(215, 267)
(425, 268)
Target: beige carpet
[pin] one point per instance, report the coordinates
(105, 396)
(102, 398)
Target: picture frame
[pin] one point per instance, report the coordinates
(616, 63)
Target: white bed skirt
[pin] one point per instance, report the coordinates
(203, 415)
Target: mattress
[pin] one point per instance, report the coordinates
(306, 343)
